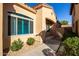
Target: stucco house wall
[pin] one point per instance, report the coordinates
(17, 9)
(1, 29)
(75, 18)
(42, 14)
(38, 15)
(38, 21)
(47, 13)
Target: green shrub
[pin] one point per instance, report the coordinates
(30, 41)
(16, 45)
(71, 46)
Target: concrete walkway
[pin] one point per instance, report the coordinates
(36, 51)
(53, 44)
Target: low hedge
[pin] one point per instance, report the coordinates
(71, 46)
(16, 45)
(30, 41)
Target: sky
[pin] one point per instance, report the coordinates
(62, 10)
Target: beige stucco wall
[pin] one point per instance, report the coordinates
(47, 13)
(1, 29)
(75, 17)
(42, 14)
(39, 22)
(15, 8)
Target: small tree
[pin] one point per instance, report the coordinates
(64, 22)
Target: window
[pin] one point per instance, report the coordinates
(19, 25)
(26, 27)
(31, 26)
(11, 25)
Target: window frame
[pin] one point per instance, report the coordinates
(17, 16)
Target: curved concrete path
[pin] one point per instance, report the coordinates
(36, 51)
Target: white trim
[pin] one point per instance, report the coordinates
(16, 26)
(29, 27)
(20, 35)
(20, 17)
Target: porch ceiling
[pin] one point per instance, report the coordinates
(49, 21)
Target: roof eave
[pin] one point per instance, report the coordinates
(40, 6)
(26, 7)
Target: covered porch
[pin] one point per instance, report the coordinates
(49, 23)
